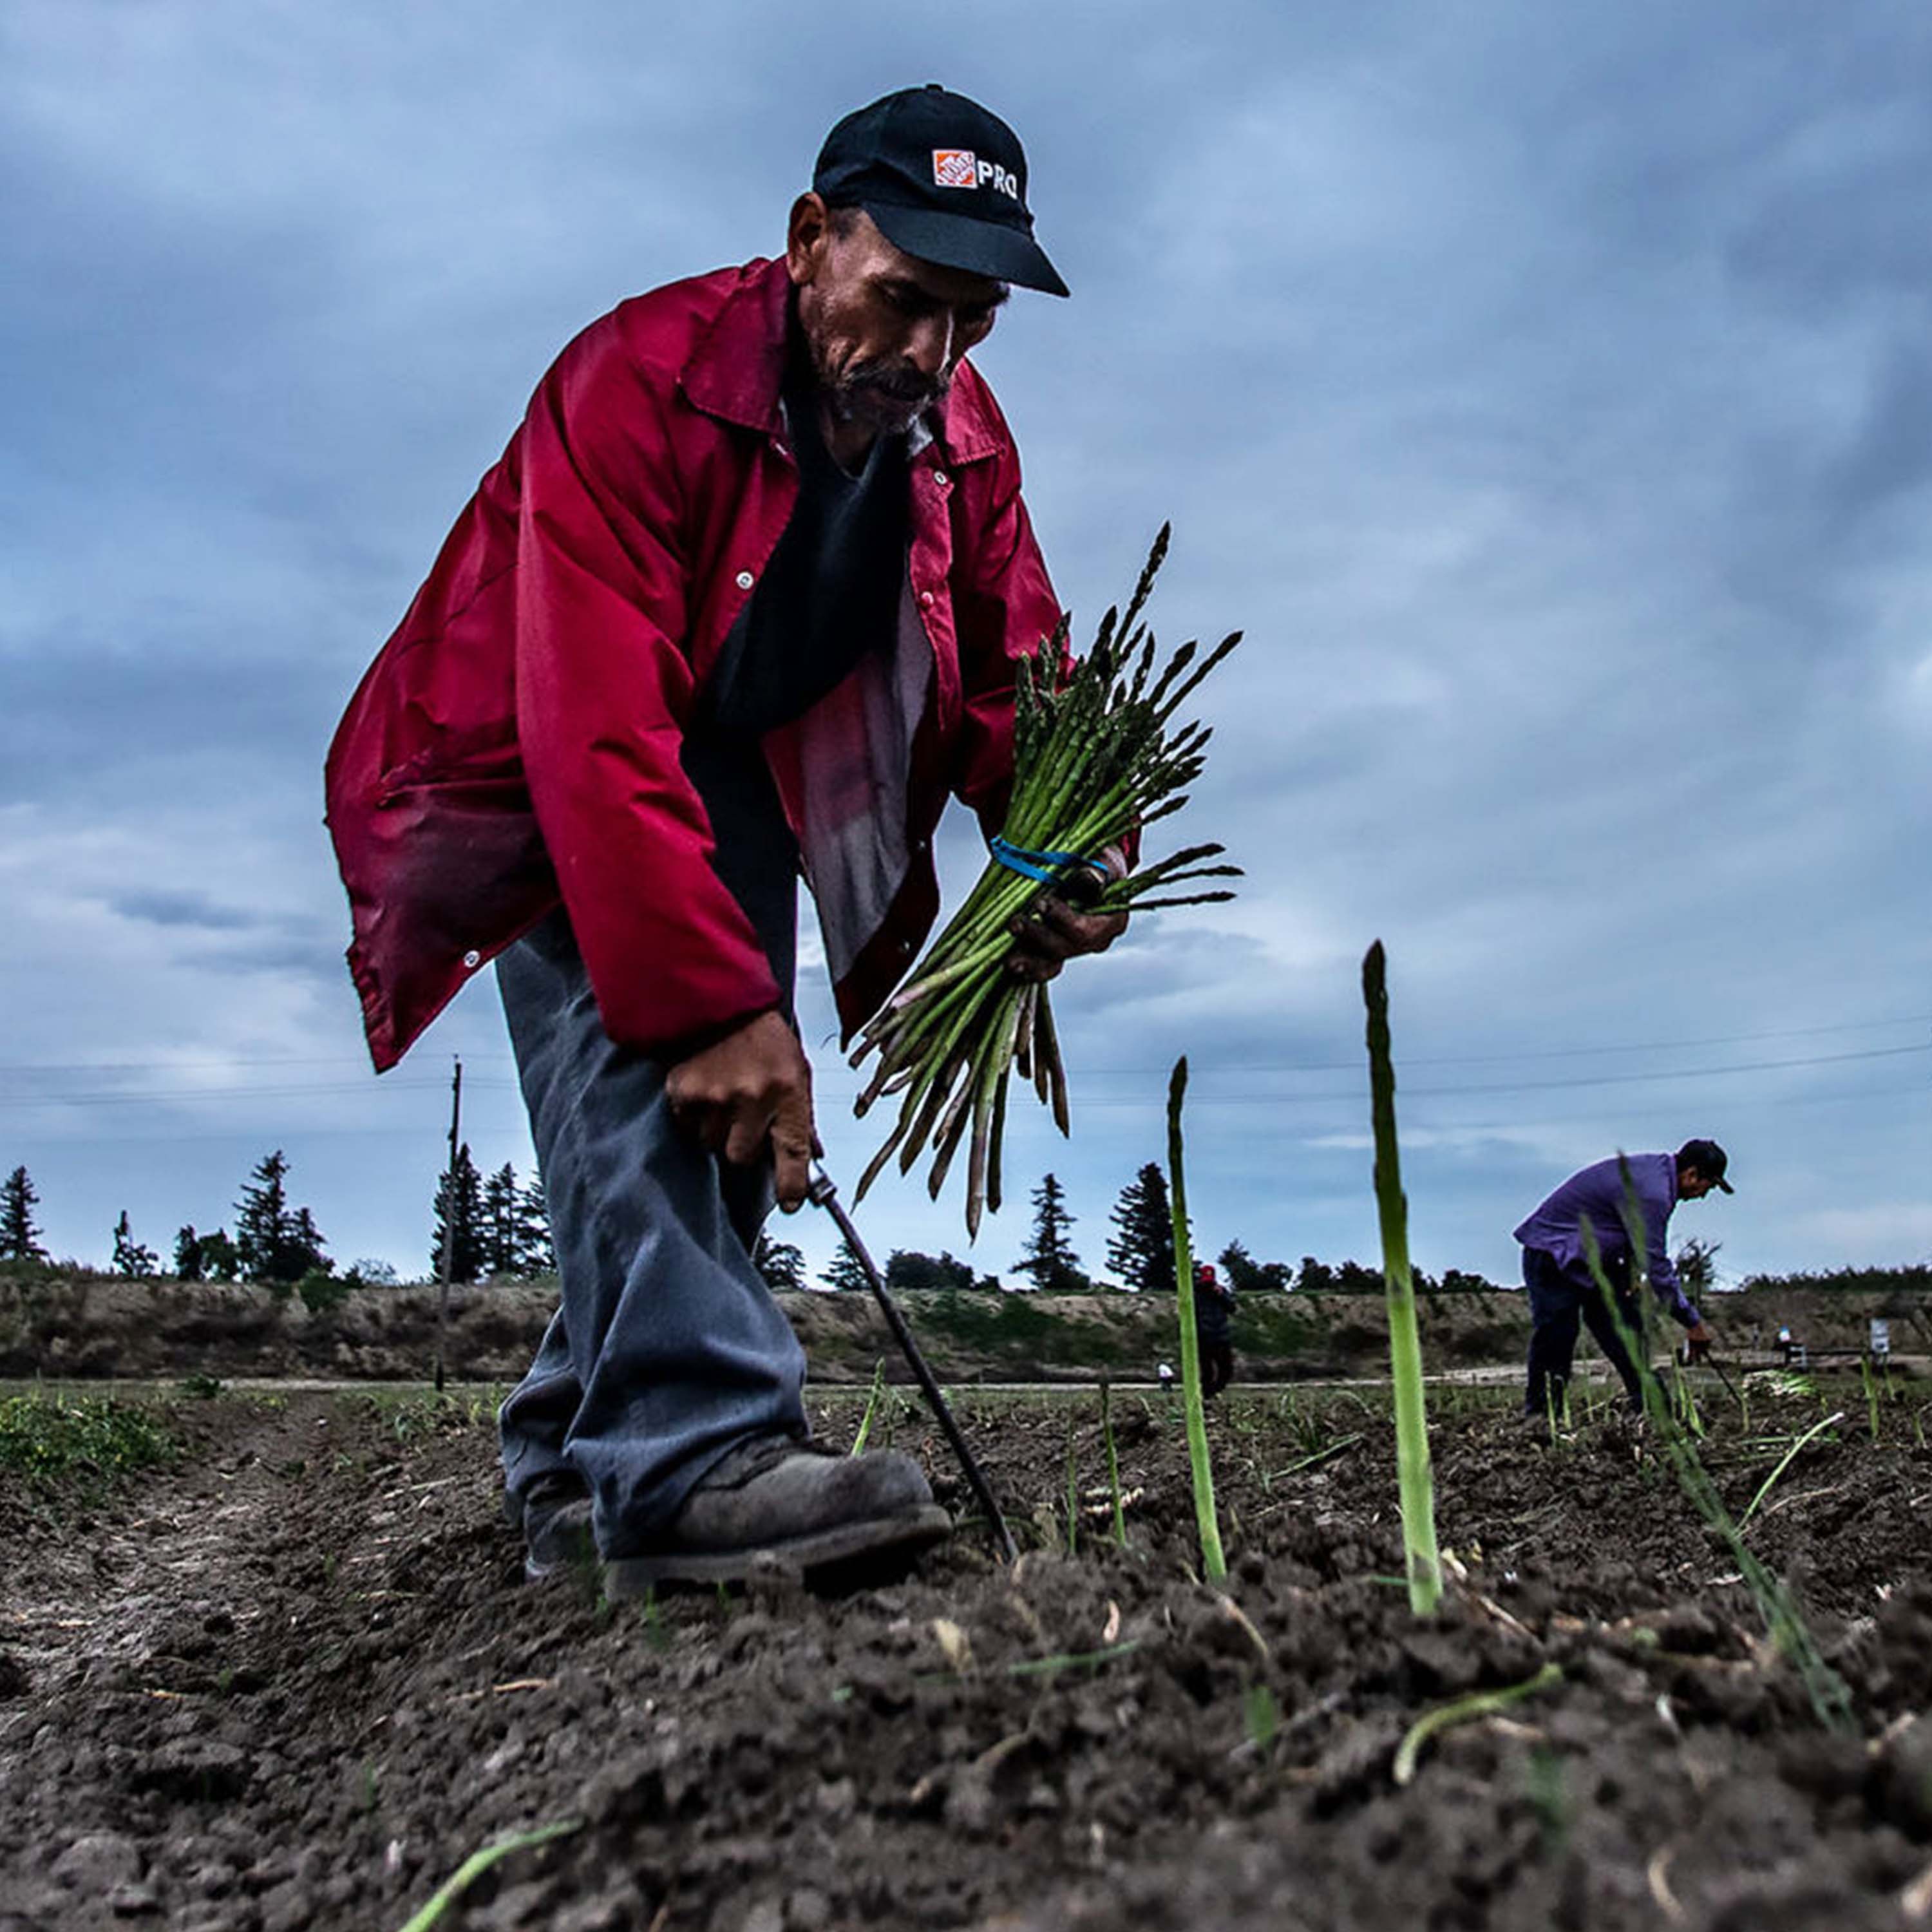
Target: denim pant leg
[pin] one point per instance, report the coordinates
(1604, 1326)
(667, 1348)
(1555, 1313)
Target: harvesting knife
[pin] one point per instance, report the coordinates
(820, 1191)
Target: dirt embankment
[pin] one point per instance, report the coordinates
(101, 1326)
(104, 1326)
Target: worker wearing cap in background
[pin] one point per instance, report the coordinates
(1556, 1271)
(741, 601)
(1214, 1311)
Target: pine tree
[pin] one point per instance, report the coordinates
(131, 1258)
(273, 1242)
(307, 1252)
(1697, 1267)
(845, 1269)
(19, 1238)
(264, 1227)
(501, 1249)
(187, 1254)
(781, 1263)
(219, 1260)
(536, 1253)
(1141, 1253)
(459, 1220)
(1246, 1275)
(1049, 1256)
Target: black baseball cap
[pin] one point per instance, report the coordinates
(944, 178)
(1708, 1158)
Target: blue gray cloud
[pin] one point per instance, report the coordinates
(1546, 397)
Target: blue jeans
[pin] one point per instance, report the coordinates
(667, 1348)
(1557, 1306)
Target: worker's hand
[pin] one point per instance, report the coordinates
(749, 1095)
(1701, 1334)
(1050, 931)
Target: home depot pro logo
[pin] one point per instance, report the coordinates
(960, 167)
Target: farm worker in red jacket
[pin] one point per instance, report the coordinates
(740, 602)
(1213, 1310)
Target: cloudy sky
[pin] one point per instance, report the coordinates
(1544, 389)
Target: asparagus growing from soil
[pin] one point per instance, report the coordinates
(1213, 1563)
(1415, 1485)
(1096, 756)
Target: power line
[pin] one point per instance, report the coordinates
(1200, 1092)
(187, 1096)
(1203, 1096)
(253, 1136)
(1544, 1053)
(503, 1056)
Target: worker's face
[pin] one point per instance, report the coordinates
(885, 330)
(1692, 1185)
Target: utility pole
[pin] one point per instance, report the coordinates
(448, 1222)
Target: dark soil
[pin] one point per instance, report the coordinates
(295, 1681)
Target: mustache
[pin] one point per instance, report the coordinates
(896, 383)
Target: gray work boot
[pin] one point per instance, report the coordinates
(554, 1513)
(775, 1503)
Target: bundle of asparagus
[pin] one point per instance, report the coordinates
(1093, 760)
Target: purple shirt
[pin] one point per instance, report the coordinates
(1598, 1192)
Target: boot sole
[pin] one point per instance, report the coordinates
(842, 1545)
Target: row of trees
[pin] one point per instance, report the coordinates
(1140, 1256)
(497, 1226)
(273, 1239)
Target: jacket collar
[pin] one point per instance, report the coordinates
(736, 372)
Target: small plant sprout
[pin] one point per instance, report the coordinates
(1073, 1492)
(1790, 1456)
(478, 1863)
(1261, 1716)
(872, 1407)
(1479, 1704)
(1213, 1564)
(1113, 1464)
(1415, 1485)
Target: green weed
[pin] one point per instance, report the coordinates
(1548, 1794)
(1261, 1716)
(92, 1440)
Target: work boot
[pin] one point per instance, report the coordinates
(775, 1503)
(554, 1513)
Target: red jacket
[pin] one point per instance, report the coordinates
(517, 740)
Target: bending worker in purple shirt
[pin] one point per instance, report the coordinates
(1562, 1291)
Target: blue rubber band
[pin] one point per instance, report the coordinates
(1044, 866)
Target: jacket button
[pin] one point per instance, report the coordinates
(746, 580)
(473, 959)
(925, 596)
(940, 477)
